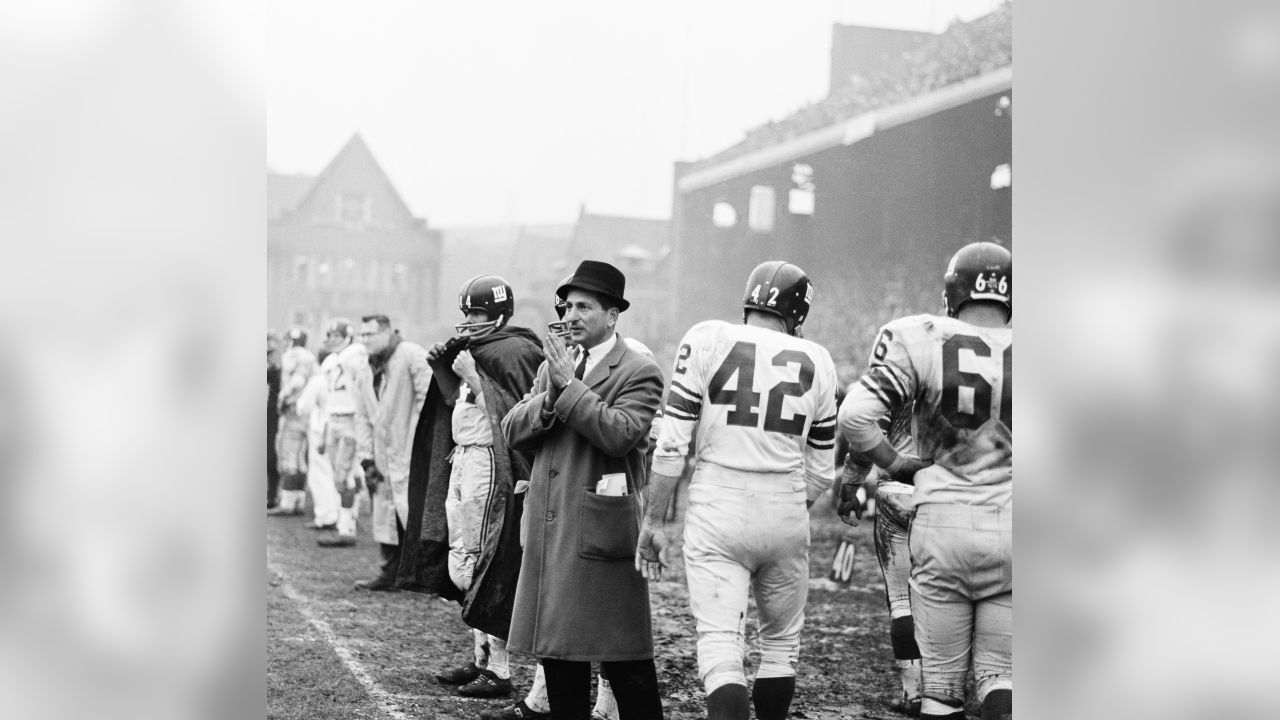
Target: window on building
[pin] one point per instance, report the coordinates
(401, 277)
(723, 215)
(1002, 176)
(354, 208)
(350, 273)
(299, 271)
(800, 198)
(760, 211)
(324, 273)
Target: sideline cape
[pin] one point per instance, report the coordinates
(507, 362)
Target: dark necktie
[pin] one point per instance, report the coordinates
(582, 365)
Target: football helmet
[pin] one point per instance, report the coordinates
(490, 294)
(339, 333)
(779, 288)
(979, 271)
(559, 327)
(297, 337)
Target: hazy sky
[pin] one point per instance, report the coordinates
(497, 112)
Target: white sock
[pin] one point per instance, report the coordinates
(499, 659)
(935, 708)
(606, 706)
(482, 651)
(346, 522)
(537, 698)
(912, 680)
(299, 502)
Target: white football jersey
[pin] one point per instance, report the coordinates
(762, 401)
(345, 370)
(960, 378)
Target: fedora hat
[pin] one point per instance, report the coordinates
(597, 277)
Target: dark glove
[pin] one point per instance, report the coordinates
(371, 475)
(853, 494)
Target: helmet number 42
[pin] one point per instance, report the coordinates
(773, 296)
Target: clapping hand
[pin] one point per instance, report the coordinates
(559, 362)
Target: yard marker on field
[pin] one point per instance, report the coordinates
(386, 701)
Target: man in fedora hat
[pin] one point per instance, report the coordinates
(579, 598)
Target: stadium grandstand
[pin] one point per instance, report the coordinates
(870, 189)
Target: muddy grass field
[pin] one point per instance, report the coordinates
(335, 652)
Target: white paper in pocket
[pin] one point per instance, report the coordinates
(612, 484)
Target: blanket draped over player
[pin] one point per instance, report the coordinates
(507, 362)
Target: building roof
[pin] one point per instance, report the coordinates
(284, 192)
(966, 50)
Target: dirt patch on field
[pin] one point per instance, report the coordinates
(402, 639)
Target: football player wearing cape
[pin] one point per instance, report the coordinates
(477, 564)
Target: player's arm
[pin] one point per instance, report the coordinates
(680, 412)
(820, 444)
(888, 384)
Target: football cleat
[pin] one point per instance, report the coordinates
(486, 685)
(459, 675)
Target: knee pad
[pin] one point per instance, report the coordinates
(998, 705)
(772, 697)
(902, 633)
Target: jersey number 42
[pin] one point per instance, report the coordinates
(741, 361)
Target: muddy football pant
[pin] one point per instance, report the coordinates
(893, 517)
(746, 532)
(340, 447)
(962, 597)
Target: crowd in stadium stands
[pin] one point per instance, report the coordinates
(963, 51)
(850, 332)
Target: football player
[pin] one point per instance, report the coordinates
(297, 365)
(763, 403)
(958, 371)
(346, 369)
(893, 511)
(483, 371)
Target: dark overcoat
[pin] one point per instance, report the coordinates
(507, 362)
(579, 595)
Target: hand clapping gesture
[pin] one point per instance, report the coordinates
(559, 362)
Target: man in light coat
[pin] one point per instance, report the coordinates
(580, 599)
(400, 381)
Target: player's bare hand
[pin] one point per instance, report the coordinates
(465, 367)
(651, 550)
(559, 362)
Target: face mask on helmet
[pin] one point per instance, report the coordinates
(487, 294)
(479, 329)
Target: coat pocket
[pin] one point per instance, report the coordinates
(608, 527)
